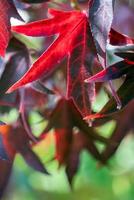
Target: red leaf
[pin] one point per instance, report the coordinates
(79, 142)
(112, 72)
(63, 139)
(7, 10)
(117, 38)
(16, 140)
(72, 41)
(83, 141)
(118, 69)
(72, 135)
(64, 119)
(125, 94)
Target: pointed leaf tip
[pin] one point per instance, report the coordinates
(99, 77)
(13, 87)
(93, 116)
(10, 90)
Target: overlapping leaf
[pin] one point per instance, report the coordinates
(125, 94)
(16, 66)
(16, 140)
(112, 72)
(120, 68)
(75, 41)
(124, 67)
(119, 39)
(72, 135)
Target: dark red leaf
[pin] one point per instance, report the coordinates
(72, 135)
(5, 171)
(69, 128)
(20, 141)
(66, 115)
(63, 140)
(62, 123)
(112, 72)
(33, 160)
(124, 124)
(16, 140)
(125, 94)
(117, 38)
(79, 143)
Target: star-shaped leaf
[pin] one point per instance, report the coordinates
(75, 41)
(72, 135)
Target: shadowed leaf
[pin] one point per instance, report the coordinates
(125, 94)
(100, 18)
(112, 72)
(5, 171)
(124, 124)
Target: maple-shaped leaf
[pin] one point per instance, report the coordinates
(66, 122)
(72, 136)
(74, 40)
(100, 19)
(16, 65)
(8, 10)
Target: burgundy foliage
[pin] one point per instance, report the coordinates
(73, 64)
